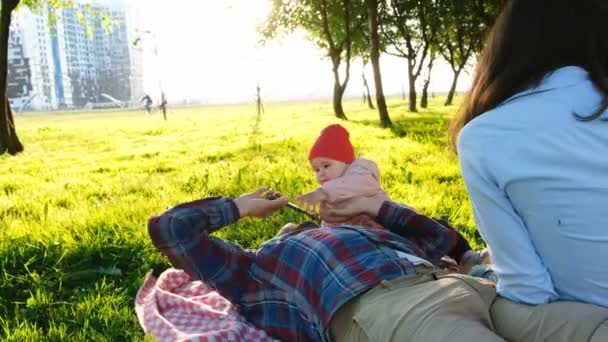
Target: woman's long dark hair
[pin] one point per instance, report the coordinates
(530, 39)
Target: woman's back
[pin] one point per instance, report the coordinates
(536, 173)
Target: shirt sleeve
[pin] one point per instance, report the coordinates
(522, 276)
(462, 245)
(182, 234)
(430, 236)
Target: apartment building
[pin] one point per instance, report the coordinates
(71, 65)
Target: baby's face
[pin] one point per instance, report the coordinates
(326, 169)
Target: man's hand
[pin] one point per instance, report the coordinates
(256, 205)
(347, 209)
(310, 201)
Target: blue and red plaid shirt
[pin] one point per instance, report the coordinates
(292, 285)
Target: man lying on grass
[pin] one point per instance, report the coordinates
(342, 283)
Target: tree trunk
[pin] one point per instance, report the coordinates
(367, 96)
(338, 109)
(424, 99)
(338, 93)
(14, 146)
(9, 142)
(338, 89)
(374, 39)
(450, 98)
(412, 84)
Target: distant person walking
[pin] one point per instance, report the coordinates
(163, 104)
(260, 107)
(147, 100)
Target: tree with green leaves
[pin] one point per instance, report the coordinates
(406, 30)
(367, 97)
(424, 98)
(374, 53)
(334, 26)
(367, 47)
(463, 25)
(430, 22)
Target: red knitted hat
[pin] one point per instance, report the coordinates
(333, 143)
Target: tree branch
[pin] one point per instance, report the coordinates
(347, 39)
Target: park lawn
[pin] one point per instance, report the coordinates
(74, 206)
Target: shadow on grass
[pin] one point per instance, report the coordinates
(424, 129)
(74, 292)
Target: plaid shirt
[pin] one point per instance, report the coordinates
(292, 285)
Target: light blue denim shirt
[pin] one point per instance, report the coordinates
(538, 182)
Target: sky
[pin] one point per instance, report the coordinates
(209, 51)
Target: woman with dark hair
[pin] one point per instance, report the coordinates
(532, 140)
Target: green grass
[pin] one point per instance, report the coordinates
(73, 207)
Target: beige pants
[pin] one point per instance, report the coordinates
(426, 307)
(554, 322)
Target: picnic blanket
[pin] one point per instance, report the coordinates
(176, 308)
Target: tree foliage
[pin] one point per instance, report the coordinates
(337, 27)
(374, 55)
(463, 25)
(409, 29)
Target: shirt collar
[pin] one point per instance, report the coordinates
(563, 77)
(559, 78)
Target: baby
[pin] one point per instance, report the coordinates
(342, 176)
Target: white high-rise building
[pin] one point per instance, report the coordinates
(18, 84)
(72, 65)
(37, 46)
(30, 44)
(113, 56)
(80, 56)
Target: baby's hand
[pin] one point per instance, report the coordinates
(311, 201)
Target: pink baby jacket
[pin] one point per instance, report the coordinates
(361, 178)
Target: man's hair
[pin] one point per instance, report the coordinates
(530, 39)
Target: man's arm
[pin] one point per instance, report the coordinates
(431, 237)
(182, 234)
(462, 245)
